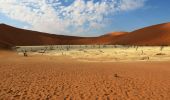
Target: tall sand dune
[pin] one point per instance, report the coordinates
(11, 36)
(153, 35)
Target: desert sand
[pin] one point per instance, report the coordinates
(87, 71)
(42, 77)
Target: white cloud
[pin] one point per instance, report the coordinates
(74, 19)
(131, 4)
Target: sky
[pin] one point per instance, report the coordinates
(83, 17)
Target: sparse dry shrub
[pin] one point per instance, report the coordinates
(116, 75)
(159, 54)
(51, 47)
(99, 47)
(67, 48)
(33, 50)
(145, 58)
(104, 46)
(101, 51)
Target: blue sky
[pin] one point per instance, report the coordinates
(83, 17)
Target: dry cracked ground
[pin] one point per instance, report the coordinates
(62, 78)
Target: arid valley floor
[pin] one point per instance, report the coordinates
(80, 74)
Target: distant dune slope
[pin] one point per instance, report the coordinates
(11, 36)
(153, 35)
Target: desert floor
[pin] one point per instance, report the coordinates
(95, 53)
(45, 77)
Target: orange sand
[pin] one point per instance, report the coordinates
(62, 78)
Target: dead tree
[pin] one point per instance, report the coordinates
(25, 53)
(99, 46)
(162, 47)
(142, 52)
(114, 46)
(51, 47)
(137, 48)
(44, 50)
(67, 48)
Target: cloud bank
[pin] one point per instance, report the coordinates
(76, 17)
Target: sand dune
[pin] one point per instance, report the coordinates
(110, 37)
(62, 78)
(153, 35)
(13, 36)
(4, 45)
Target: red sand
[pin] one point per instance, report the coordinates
(14, 36)
(153, 35)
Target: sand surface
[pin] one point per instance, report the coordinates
(62, 78)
